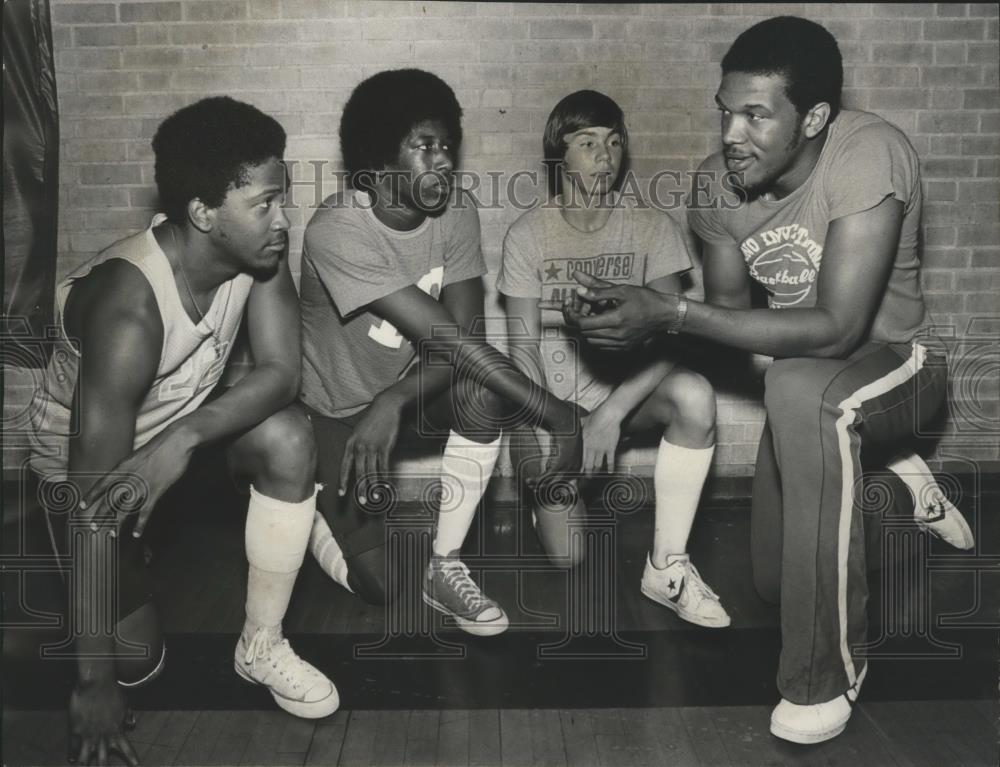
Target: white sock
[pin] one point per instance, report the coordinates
(678, 477)
(466, 468)
(917, 476)
(327, 551)
(277, 534)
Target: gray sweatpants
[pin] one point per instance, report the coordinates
(807, 536)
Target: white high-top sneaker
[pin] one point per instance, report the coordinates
(296, 686)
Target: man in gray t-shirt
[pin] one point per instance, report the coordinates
(827, 223)
(391, 298)
(350, 259)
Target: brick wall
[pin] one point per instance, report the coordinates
(930, 69)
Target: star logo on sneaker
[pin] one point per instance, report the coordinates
(934, 512)
(679, 587)
(675, 589)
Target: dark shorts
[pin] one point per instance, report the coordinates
(356, 528)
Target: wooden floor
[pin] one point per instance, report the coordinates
(958, 729)
(927, 734)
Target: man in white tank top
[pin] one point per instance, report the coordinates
(148, 326)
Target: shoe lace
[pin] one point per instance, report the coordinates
(280, 654)
(699, 585)
(455, 575)
(258, 646)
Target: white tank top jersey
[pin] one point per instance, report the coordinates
(191, 361)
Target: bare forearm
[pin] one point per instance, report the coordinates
(93, 587)
(482, 362)
(421, 319)
(261, 393)
(777, 333)
(105, 437)
(92, 615)
(527, 356)
(627, 396)
(421, 381)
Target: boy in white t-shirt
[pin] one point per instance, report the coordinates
(587, 227)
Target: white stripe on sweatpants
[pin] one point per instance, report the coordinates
(848, 407)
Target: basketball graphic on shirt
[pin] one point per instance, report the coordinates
(786, 261)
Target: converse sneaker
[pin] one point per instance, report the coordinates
(449, 590)
(680, 587)
(296, 686)
(818, 722)
(941, 518)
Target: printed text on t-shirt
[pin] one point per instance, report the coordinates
(613, 267)
(786, 261)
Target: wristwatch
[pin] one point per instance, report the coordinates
(678, 322)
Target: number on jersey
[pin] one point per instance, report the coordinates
(385, 332)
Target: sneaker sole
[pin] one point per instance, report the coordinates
(807, 738)
(314, 710)
(710, 623)
(478, 629)
(967, 541)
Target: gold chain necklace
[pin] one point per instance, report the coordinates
(216, 341)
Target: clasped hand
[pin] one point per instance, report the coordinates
(614, 317)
